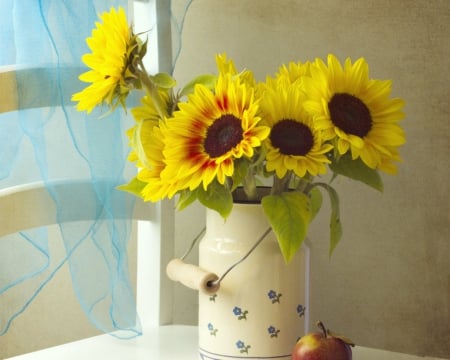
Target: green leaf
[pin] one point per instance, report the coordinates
(163, 80)
(217, 198)
(289, 214)
(142, 47)
(316, 201)
(208, 80)
(186, 198)
(335, 217)
(135, 187)
(241, 168)
(357, 170)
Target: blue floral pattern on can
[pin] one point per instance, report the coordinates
(241, 315)
(274, 296)
(242, 347)
(212, 330)
(273, 331)
(301, 310)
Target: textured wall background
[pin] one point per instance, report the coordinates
(388, 283)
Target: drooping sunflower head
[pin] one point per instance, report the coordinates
(146, 116)
(115, 51)
(147, 146)
(355, 112)
(294, 143)
(155, 188)
(210, 131)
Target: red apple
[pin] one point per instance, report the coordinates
(322, 346)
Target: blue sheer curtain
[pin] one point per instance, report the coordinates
(47, 140)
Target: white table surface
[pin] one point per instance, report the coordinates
(174, 342)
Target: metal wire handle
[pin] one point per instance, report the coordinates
(216, 283)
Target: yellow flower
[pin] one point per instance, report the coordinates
(227, 66)
(147, 145)
(293, 72)
(113, 50)
(294, 144)
(146, 117)
(210, 131)
(355, 112)
(156, 188)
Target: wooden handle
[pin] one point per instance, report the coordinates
(192, 276)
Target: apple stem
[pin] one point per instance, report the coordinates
(322, 327)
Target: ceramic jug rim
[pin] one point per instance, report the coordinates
(239, 196)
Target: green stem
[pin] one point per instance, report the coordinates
(304, 183)
(249, 185)
(322, 327)
(152, 91)
(281, 185)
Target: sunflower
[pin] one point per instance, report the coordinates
(112, 62)
(156, 188)
(146, 117)
(210, 131)
(227, 66)
(355, 112)
(294, 144)
(293, 71)
(147, 145)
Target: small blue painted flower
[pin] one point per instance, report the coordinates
(242, 347)
(241, 315)
(212, 330)
(301, 310)
(273, 331)
(274, 296)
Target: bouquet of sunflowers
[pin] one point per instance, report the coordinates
(226, 131)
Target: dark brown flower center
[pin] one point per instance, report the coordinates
(224, 134)
(350, 114)
(292, 137)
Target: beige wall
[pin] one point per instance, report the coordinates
(387, 285)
